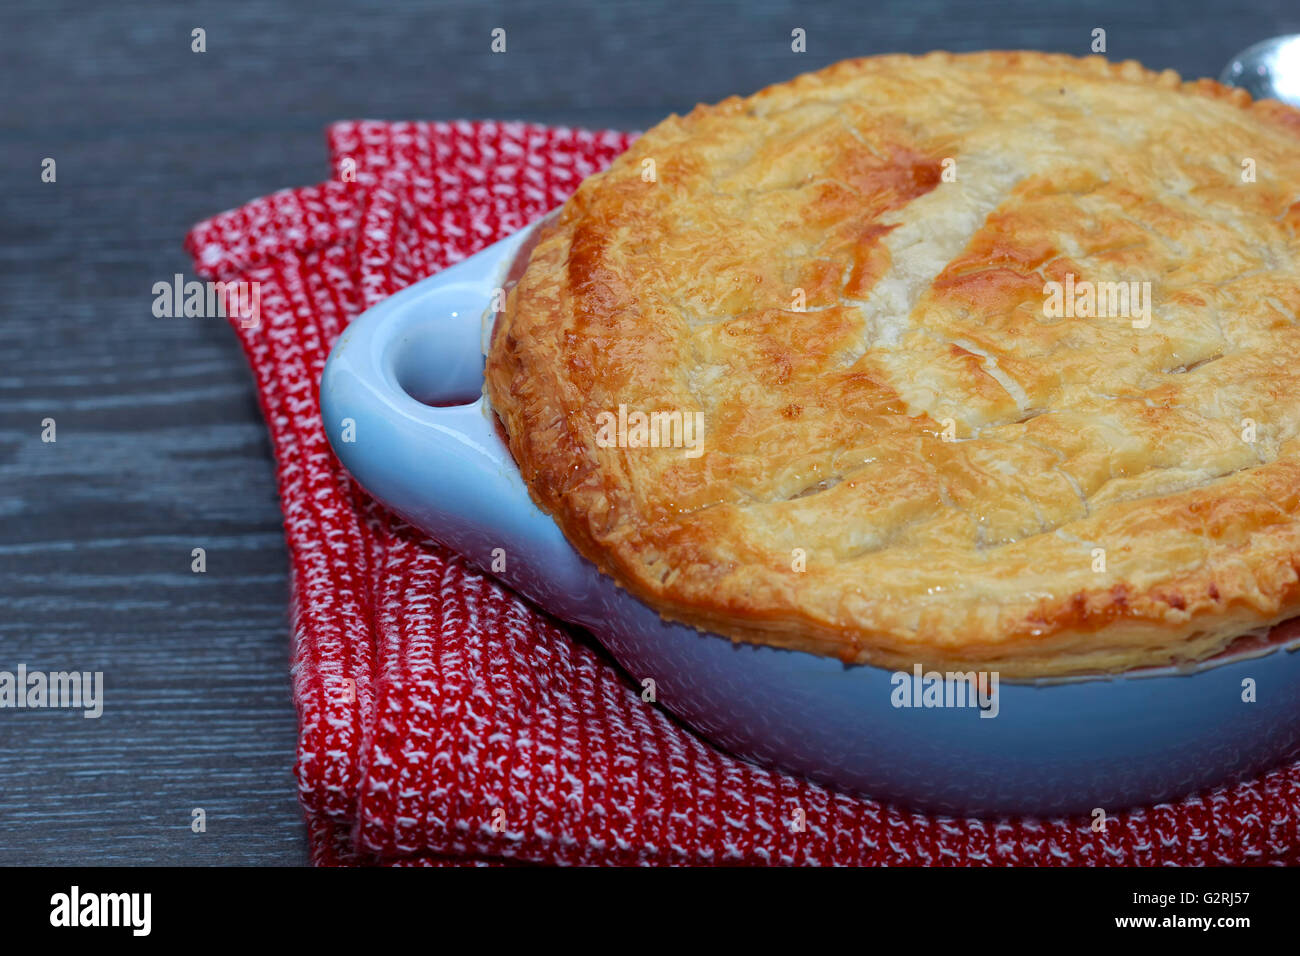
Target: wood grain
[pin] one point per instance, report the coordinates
(160, 444)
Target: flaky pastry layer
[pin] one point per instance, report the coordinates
(907, 455)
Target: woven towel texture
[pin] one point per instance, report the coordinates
(444, 721)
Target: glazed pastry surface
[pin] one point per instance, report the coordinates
(917, 441)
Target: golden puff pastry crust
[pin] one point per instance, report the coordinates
(908, 453)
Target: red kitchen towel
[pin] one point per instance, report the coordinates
(444, 721)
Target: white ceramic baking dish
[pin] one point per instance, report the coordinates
(1054, 747)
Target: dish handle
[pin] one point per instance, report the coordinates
(402, 403)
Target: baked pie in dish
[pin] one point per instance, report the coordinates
(993, 359)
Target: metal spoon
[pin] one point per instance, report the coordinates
(1267, 70)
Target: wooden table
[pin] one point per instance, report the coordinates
(160, 446)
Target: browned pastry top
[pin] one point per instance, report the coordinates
(908, 452)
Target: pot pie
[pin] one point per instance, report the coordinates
(921, 441)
